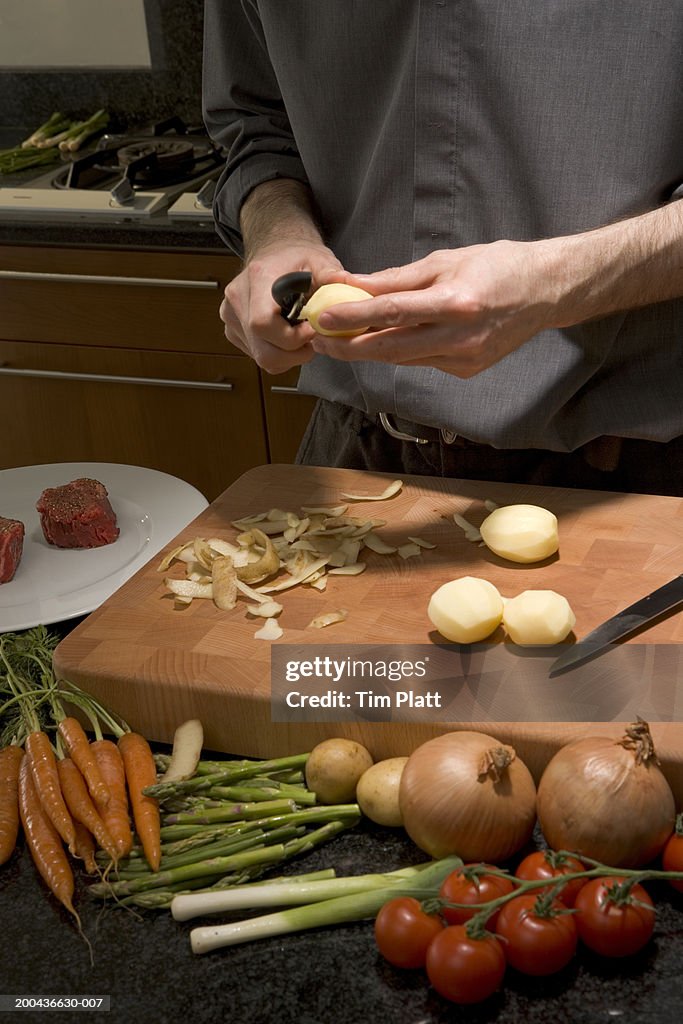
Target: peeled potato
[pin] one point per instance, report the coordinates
(466, 610)
(538, 617)
(521, 533)
(332, 295)
(377, 791)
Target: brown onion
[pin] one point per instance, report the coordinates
(607, 799)
(468, 794)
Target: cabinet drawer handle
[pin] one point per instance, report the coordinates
(112, 378)
(283, 389)
(154, 282)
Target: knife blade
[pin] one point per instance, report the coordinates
(620, 625)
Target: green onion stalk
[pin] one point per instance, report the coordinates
(351, 906)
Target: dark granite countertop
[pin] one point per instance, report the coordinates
(151, 236)
(144, 963)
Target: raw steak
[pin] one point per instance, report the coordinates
(11, 547)
(77, 515)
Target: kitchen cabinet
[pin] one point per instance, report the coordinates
(287, 412)
(119, 356)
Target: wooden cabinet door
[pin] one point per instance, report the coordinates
(199, 418)
(287, 414)
(118, 298)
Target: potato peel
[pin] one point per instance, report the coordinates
(188, 588)
(266, 610)
(328, 619)
(224, 577)
(387, 493)
(270, 630)
(301, 548)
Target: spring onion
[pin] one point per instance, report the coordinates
(354, 906)
(286, 892)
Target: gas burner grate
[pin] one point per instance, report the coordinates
(146, 163)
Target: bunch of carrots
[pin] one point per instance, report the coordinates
(68, 792)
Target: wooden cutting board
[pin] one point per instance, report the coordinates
(157, 666)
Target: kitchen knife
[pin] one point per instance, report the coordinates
(620, 625)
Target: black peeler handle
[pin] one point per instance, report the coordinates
(290, 292)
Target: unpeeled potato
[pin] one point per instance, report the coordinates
(466, 610)
(334, 767)
(377, 791)
(538, 617)
(332, 295)
(521, 533)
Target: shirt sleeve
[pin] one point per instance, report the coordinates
(243, 111)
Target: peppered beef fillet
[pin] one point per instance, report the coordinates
(77, 515)
(11, 547)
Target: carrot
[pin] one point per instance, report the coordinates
(44, 841)
(10, 760)
(46, 780)
(85, 848)
(81, 807)
(78, 746)
(115, 813)
(140, 769)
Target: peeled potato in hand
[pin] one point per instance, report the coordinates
(466, 610)
(521, 533)
(538, 617)
(332, 295)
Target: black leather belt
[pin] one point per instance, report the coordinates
(601, 453)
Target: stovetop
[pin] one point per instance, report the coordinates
(164, 172)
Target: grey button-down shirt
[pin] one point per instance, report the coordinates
(434, 124)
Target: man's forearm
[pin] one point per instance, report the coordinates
(281, 209)
(631, 263)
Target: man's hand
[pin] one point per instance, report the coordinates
(459, 310)
(281, 235)
(463, 310)
(252, 318)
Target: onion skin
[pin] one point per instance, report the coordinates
(596, 799)
(449, 806)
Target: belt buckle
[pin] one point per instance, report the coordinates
(399, 434)
(447, 436)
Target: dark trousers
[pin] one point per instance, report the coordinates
(344, 437)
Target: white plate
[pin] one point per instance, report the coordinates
(53, 584)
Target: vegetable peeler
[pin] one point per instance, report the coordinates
(290, 292)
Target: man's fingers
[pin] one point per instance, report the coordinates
(433, 305)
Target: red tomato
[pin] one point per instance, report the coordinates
(672, 859)
(474, 889)
(463, 969)
(536, 944)
(544, 864)
(613, 928)
(403, 931)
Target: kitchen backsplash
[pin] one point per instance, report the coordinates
(139, 96)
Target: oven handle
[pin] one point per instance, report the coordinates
(112, 378)
(154, 282)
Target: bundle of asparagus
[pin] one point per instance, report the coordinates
(225, 826)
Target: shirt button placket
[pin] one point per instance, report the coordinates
(437, 72)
